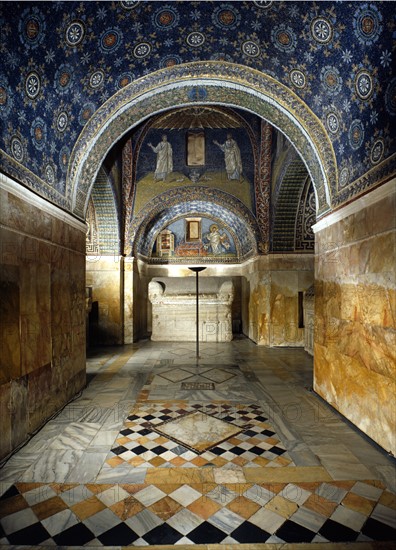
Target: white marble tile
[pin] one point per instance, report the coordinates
(294, 493)
(319, 538)
(331, 492)
(259, 495)
(226, 520)
(349, 518)
(273, 539)
(385, 515)
(185, 495)
(185, 521)
(184, 541)
(367, 491)
(308, 518)
(54, 465)
(94, 543)
(222, 495)
(75, 436)
(87, 468)
(149, 495)
(39, 494)
(113, 495)
(143, 522)
(75, 495)
(102, 522)
(139, 542)
(18, 520)
(267, 520)
(121, 474)
(59, 522)
(222, 475)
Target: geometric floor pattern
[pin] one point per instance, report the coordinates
(255, 443)
(139, 515)
(158, 451)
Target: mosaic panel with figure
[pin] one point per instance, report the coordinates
(220, 157)
(194, 237)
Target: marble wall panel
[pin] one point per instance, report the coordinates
(355, 328)
(104, 276)
(271, 289)
(27, 218)
(5, 419)
(39, 395)
(128, 300)
(42, 293)
(142, 318)
(10, 356)
(18, 411)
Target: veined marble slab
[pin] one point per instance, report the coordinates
(76, 436)
(198, 431)
(54, 465)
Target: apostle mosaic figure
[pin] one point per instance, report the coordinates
(218, 242)
(232, 157)
(164, 153)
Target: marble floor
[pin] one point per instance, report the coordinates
(160, 449)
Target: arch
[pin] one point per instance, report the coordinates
(208, 82)
(194, 200)
(103, 200)
(285, 209)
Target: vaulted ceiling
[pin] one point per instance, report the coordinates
(62, 61)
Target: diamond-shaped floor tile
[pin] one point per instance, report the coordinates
(34, 534)
(206, 533)
(248, 532)
(163, 534)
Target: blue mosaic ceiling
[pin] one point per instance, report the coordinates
(61, 61)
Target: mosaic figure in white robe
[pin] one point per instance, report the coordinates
(218, 242)
(232, 157)
(164, 153)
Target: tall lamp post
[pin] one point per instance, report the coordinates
(196, 271)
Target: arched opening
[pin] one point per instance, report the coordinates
(201, 84)
(267, 302)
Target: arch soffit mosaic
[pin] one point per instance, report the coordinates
(203, 83)
(194, 200)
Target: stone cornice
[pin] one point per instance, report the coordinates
(370, 198)
(11, 186)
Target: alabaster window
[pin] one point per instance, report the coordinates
(193, 230)
(195, 149)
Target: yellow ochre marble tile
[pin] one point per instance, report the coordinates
(127, 508)
(358, 503)
(25, 487)
(87, 508)
(12, 505)
(388, 499)
(165, 508)
(282, 506)
(178, 475)
(318, 504)
(243, 507)
(204, 507)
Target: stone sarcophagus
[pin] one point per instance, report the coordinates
(174, 309)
